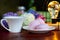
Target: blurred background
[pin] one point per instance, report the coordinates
(38, 5)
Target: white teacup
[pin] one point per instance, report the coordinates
(14, 23)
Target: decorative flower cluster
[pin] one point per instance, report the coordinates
(10, 14)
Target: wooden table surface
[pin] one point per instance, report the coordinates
(25, 35)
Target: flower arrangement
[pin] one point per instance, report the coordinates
(10, 14)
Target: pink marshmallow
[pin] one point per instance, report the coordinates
(35, 23)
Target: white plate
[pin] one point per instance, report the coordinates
(39, 30)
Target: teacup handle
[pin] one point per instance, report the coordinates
(4, 25)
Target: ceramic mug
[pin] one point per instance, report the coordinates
(14, 23)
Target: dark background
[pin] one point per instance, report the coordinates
(11, 5)
(41, 5)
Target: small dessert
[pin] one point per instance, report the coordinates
(36, 14)
(38, 24)
(28, 18)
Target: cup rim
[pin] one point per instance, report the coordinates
(12, 17)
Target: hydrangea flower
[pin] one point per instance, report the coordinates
(10, 14)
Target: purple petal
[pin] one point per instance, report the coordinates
(15, 14)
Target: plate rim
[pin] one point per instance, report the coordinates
(53, 28)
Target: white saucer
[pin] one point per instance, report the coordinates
(39, 30)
